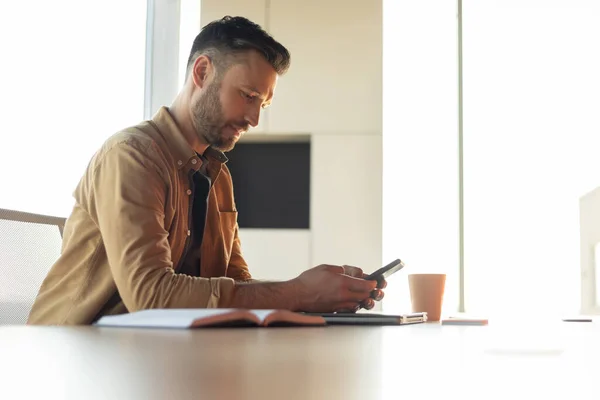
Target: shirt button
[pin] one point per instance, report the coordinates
(194, 161)
(189, 232)
(189, 192)
(179, 162)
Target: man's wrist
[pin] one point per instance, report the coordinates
(262, 295)
(295, 294)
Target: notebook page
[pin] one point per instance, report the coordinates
(161, 318)
(261, 314)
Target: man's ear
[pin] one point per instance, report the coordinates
(202, 70)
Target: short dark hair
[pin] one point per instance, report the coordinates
(231, 36)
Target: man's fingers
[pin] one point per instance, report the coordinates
(356, 297)
(382, 284)
(349, 307)
(367, 304)
(353, 271)
(360, 285)
(377, 294)
(338, 269)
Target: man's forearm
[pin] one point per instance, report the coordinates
(266, 295)
(250, 281)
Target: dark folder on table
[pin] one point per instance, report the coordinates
(372, 318)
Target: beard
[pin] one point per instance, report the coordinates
(209, 120)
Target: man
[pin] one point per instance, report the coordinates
(154, 223)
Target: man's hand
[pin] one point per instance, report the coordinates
(376, 295)
(331, 288)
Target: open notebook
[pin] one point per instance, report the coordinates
(209, 317)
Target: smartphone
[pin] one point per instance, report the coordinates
(384, 272)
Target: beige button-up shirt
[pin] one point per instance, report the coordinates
(129, 232)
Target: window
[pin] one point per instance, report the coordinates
(531, 143)
(420, 160)
(72, 74)
(189, 27)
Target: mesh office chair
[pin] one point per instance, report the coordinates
(29, 245)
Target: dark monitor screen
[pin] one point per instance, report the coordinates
(271, 184)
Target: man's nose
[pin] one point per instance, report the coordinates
(253, 116)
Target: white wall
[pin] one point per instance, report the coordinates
(334, 83)
(589, 236)
(276, 254)
(345, 201)
(333, 93)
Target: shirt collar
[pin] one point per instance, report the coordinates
(182, 151)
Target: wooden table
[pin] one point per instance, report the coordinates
(424, 361)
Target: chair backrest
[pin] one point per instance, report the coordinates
(29, 245)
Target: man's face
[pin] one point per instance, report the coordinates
(227, 107)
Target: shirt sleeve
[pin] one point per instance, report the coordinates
(127, 201)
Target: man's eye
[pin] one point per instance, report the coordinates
(248, 97)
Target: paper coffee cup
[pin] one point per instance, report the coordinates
(427, 294)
